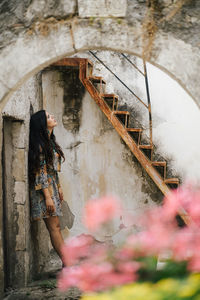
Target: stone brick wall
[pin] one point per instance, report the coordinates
(14, 199)
(102, 8)
(15, 193)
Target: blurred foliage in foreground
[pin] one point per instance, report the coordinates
(165, 289)
(161, 261)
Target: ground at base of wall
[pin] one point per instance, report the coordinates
(51, 266)
(41, 290)
(45, 285)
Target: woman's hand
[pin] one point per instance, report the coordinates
(50, 205)
(60, 194)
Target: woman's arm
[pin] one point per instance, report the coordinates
(60, 194)
(41, 183)
(48, 200)
(59, 188)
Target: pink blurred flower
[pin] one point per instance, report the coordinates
(76, 248)
(157, 230)
(152, 242)
(69, 277)
(99, 252)
(193, 206)
(125, 253)
(90, 277)
(185, 198)
(182, 245)
(128, 267)
(102, 266)
(172, 203)
(194, 257)
(113, 279)
(99, 211)
(194, 264)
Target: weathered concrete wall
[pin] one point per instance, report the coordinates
(16, 220)
(97, 161)
(101, 8)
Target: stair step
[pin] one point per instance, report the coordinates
(123, 116)
(147, 150)
(173, 183)
(99, 83)
(135, 133)
(160, 167)
(110, 96)
(90, 62)
(89, 69)
(121, 112)
(111, 100)
(97, 79)
(159, 163)
(134, 129)
(146, 147)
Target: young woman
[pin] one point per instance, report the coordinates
(46, 195)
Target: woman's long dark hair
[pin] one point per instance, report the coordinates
(39, 141)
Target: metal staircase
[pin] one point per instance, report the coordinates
(120, 120)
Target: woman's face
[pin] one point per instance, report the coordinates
(51, 122)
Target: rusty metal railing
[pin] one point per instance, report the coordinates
(138, 98)
(147, 92)
(149, 102)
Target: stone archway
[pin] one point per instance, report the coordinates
(46, 41)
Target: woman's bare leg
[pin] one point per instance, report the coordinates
(53, 226)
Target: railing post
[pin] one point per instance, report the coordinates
(149, 102)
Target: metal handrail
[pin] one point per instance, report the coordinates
(126, 57)
(118, 78)
(147, 92)
(138, 98)
(149, 102)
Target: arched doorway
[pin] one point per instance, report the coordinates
(35, 49)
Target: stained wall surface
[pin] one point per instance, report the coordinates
(97, 161)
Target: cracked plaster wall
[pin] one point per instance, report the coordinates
(97, 161)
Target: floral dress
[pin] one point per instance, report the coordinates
(46, 177)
